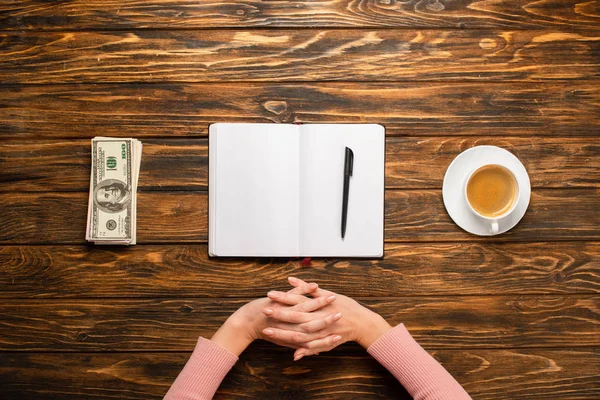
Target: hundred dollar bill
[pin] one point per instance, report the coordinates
(113, 187)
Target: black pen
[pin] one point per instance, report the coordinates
(348, 165)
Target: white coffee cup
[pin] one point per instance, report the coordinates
(493, 222)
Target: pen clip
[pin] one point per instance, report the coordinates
(349, 162)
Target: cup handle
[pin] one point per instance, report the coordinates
(494, 226)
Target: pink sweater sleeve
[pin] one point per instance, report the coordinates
(417, 371)
(203, 373)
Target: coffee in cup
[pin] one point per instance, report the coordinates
(492, 192)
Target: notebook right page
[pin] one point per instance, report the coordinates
(322, 149)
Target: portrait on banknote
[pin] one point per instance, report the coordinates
(112, 195)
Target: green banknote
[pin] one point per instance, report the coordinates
(113, 187)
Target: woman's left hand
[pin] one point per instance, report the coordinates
(249, 322)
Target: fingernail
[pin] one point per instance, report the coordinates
(268, 332)
(298, 357)
(330, 299)
(337, 316)
(313, 286)
(336, 338)
(292, 279)
(273, 295)
(268, 311)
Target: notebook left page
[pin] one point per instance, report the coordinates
(253, 190)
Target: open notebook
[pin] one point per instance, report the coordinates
(275, 190)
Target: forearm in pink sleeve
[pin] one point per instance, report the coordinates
(203, 373)
(422, 376)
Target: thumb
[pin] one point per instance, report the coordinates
(298, 283)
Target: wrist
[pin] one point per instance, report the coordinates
(375, 327)
(232, 336)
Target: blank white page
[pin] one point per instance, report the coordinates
(253, 190)
(322, 158)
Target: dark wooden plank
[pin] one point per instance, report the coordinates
(558, 214)
(298, 55)
(406, 270)
(161, 216)
(419, 163)
(436, 322)
(267, 372)
(59, 165)
(190, 14)
(411, 215)
(411, 163)
(173, 110)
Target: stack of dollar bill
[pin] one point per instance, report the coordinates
(113, 190)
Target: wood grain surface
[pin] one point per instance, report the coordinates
(411, 163)
(347, 372)
(175, 110)
(511, 317)
(410, 216)
(407, 270)
(435, 322)
(298, 55)
(190, 14)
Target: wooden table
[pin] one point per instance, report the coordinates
(511, 317)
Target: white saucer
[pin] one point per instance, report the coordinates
(453, 188)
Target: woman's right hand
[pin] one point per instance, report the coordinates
(356, 323)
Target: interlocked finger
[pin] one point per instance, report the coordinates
(288, 298)
(304, 288)
(317, 352)
(320, 323)
(314, 304)
(292, 336)
(288, 315)
(315, 346)
(303, 351)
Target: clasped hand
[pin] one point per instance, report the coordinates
(310, 325)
